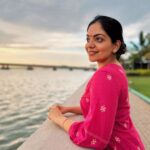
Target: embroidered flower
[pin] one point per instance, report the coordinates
(87, 100)
(93, 142)
(103, 108)
(121, 71)
(115, 148)
(117, 139)
(77, 134)
(109, 77)
(138, 148)
(125, 125)
(127, 99)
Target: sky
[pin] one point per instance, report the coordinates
(31, 27)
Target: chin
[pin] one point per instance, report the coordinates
(92, 60)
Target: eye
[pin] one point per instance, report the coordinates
(99, 39)
(87, 39)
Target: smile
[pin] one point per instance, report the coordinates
(91, 53)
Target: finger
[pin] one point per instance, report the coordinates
(53, 106)
(56, 109)
(49, 118)
(56, 105)
(50, 108)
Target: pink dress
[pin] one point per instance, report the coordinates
(107, 124)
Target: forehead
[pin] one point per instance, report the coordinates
(95, 28)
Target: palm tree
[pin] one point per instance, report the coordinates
(142, 41)
(148, 38)
(142, 48)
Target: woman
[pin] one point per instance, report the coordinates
(107, 124)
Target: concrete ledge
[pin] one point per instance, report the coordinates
(143, 97)
(50, 136)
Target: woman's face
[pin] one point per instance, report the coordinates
(99, 46)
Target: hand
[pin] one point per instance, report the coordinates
(54, 113)
(63, 109)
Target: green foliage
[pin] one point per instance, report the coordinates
(142, 49)
(142, 39)
(138, 72)
(147, 55)
(144, 42)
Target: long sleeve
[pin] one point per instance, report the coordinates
(96, 129)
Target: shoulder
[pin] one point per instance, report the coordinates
(110, 72)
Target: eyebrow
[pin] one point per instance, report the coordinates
(95, 35)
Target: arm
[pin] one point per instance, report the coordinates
(71, 109)
(95, 131)
(57, 117)
(63, 122)
(74, 109)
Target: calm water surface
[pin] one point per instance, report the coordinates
(25, 97)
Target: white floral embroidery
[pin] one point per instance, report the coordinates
(87, 100)
(91, 90)
(121, 71)
(93, 142)
(125, 125)
(77, 134)
(117, 139)
(115, 148)
(103, 108)
(109, 77)
(127, 99)
(138, 148)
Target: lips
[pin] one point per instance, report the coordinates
(91, 53)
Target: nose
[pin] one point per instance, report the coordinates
(91, 44)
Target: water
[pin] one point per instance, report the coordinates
(25, 97)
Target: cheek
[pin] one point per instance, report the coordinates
(103, 47)
(86, 46)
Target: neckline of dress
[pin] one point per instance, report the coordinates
(110, 64)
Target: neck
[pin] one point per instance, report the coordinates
(108, 61)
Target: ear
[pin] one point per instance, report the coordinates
(117, 45)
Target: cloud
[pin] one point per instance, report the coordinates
(17, 36)
(53, 24)
(47, 15)
(70, 15)
(132, 30)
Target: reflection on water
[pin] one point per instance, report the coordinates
(25, 97)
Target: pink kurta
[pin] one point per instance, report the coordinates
(107, 124)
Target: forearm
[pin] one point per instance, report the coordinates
(75, 109)
(63, 122)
